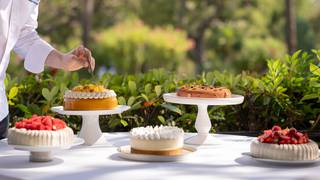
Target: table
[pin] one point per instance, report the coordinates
(101, 162)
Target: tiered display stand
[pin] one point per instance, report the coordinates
(90, 129)
(203, 123)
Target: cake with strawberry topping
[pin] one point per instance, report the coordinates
(284, 144)
(90, 97)
(44, 131)
(203, 91)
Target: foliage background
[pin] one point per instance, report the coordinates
(240, 44)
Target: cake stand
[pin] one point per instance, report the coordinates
(203, 123)
(44, 154)
(90, 129)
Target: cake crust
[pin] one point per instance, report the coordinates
(90, 104)
(202, 91)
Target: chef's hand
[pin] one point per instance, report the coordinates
(78, 58)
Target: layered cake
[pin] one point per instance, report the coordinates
(202, 91)
(90, 97)
(158, 140)
(287, 144)
(40, 131)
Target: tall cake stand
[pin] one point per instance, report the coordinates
(203, 123)
(41, 153)
(90, 130)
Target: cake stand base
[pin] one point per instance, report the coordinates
(90, 130)
(203, 122)
(41, 156)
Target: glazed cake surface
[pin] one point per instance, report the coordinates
(202, 91)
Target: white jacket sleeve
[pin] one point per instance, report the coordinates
(31, 47)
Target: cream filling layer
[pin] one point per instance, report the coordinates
(156, 145)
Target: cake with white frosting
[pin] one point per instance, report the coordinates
(158, 140)
(90, 97)
(40, 131)
(287, 144)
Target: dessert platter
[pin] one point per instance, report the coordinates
(90, 101)
(159, 143)
(41, 135)
(285, 146)
(203, 96)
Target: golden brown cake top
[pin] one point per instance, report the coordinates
(89, 88)
(205, 91)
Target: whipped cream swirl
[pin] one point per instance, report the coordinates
(157, 132)
(89, 95)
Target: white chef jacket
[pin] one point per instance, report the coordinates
(18, 23)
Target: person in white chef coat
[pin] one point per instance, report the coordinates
(18, 24)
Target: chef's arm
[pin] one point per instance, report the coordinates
(37, 53)
(31, 47)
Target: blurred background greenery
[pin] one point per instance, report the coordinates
(187, 36)
(144, 48)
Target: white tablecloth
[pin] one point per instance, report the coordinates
(101, 162)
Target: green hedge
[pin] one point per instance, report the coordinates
(132, 47)
(287, 94)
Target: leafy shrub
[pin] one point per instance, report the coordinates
(133, 47)
(287, 94)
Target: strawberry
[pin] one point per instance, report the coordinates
(298, 134)
(294, 141)
(284, 137)
(284, 141)
(267, 131)
(276, 128)
(292, 131)
(285, 131)
(42, 127)
(268, 140)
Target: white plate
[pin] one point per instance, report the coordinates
(77, 141)
(173, 98)
(125, 153)
(284, 162)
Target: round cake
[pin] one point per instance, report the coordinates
(202, 91)
(44, 131)
(284, 144)
(158, 140)
(90, 97)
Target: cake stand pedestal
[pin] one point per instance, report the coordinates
(90, 130)
(44, 154)
(203, 123)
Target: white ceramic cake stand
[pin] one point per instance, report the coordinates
(203, 123)
(90, 130)
(44, 154)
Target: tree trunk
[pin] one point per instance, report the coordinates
(88, 7)
(291, 26)
(198, 53)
